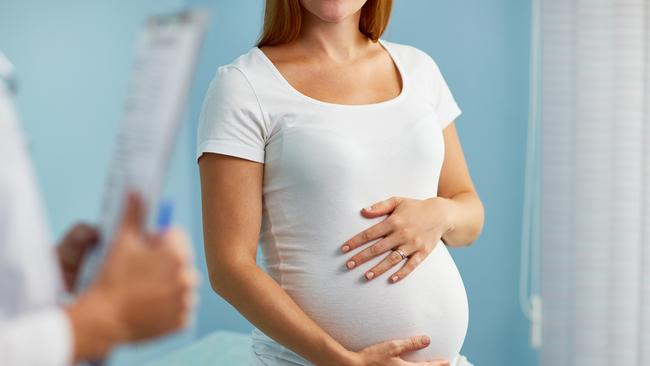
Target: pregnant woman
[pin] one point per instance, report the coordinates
(337, 151)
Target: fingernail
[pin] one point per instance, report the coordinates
(425, 340)
(369, 208)
(345, 248)
(351, 264)
(394, 278)
(370, 275)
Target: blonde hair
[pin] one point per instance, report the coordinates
(282, 20)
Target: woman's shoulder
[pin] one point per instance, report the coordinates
(243, 64)
(411, 56)
(241, 75)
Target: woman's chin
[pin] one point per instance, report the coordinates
(332, 11)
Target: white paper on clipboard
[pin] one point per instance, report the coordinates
(166, 57)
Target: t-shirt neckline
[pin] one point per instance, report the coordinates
(303, 96)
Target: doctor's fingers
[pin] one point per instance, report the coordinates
(185, 298)
(173, 244)
(132, 214)
(75, 243)
(188, 281)
(81, 234)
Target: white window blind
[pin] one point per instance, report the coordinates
(595, 237)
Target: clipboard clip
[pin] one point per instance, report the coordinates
(188, 16)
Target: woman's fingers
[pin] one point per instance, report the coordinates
(439, 363)
(374, 250)
(430, 363)
(399, 346)
(389, 352)
(374, 232)
(391, 260)
(411, 263)
(381, 208)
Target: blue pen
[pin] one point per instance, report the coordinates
(165, 213)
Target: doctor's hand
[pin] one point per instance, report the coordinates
(146, 288)
(72, 249)
(388, 353)
(410, 232)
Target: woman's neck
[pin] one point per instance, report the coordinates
(340, 42)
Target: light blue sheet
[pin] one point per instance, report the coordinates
(218, 348)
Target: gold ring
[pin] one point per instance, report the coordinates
(401, 254)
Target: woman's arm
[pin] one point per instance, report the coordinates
(464, 210)
(232, 207)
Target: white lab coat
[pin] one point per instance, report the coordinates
(34, 330)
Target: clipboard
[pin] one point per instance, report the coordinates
(167, 52)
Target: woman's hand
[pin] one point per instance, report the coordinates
(388, 353)
(411, 231)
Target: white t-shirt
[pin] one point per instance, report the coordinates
(323, 162)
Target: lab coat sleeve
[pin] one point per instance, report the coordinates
(39, 338)
(34, 331)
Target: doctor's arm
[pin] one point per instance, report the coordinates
(38, 338)
(143, 290)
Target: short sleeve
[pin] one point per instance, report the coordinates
(443, 101)
(231, 120)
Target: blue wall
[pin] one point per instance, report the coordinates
(73, 58)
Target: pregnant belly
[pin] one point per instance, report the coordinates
(358, 313)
